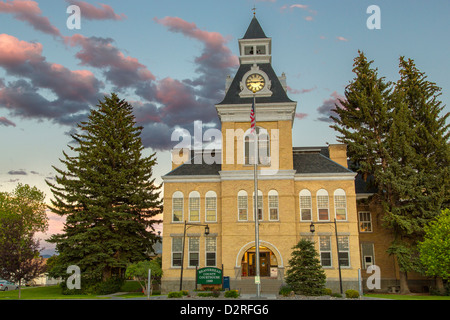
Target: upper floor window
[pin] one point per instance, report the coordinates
(177, 206)
(211, 206)
(305, 205)
(340, 204)
(251, 50)
(322, 205)
(273, 205)
(260, 204)
(263, 152)
(242, 206)
(194, 206)
(365, 222)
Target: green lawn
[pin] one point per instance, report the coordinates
(54, 292)
(407, 297)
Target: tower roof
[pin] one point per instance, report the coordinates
(254, 30)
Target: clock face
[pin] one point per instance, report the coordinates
(255, 82)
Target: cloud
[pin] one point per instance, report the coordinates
(29, 11)
(91, 12)
(300, 115)
(296, 91)
(325, 110)
(309, 18)
(5, 122)
(341, 39)
(75, 90)
(118, 69)
(20, 172)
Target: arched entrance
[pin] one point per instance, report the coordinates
(268, 263)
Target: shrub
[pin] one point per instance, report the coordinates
(231, 294)
(184, 292)
(336, 295)
(175, 294)
(285, 291)
(352, 294)
(327, 292)
(204, 294)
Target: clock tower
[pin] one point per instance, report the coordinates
(255, 80)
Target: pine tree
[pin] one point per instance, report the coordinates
(400, 139)
(305, 274)
(365, 118)
(107, 195)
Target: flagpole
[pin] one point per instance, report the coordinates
(255, 141)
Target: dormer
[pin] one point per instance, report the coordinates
(255, 47)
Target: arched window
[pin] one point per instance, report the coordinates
(211, 206)
(194, 206)
(322, 205)
(260, 205)
(177, 206)
(340, 204)
(263, 147)
(273, 205)
(305, 205)
(242, 206)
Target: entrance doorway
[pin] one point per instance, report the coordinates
(267, 263)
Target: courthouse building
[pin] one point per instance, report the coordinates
(297, 186)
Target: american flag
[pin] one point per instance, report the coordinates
(252, 118)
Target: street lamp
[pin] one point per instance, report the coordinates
(184, 240)
(312, 229)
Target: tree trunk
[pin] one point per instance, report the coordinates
(404, 289)
(440, 285)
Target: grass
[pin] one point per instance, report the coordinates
(132, 288)
(407, 297)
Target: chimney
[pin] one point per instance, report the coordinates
(338, 153)
(179, 156)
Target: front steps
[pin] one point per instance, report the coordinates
(248, 286)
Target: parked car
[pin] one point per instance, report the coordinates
(6, 286)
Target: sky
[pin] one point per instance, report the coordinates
(170, 59)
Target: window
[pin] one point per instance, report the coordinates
(340, 204)
(194, 254)
(248, 50)
(242, 206)
(177, 207)
(260, 49)
(263, 147)
(211, 206)
(273, 205)
(260, 205)
(365, 222)
(344, 251)
(305, 205)
(325, 251)
(177, 249)
(211, 244)
(368, 255)
(194, 206)
(322, 205)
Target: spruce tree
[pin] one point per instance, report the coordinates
(305, 274)
(107, 195)
(400, 139)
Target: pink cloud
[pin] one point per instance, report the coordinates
(5, 122)
(91, 12)
(309, 18)
(325, 110)
(296, 91)
(341, 39)
(301, 115)
(214, 42)
(29, 11)
(75, 90)
(100, 53)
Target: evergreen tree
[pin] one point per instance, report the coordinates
(399, 138)
(365, 118)
(107, 195)
(305, 274)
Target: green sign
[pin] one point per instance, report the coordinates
(209, 275)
